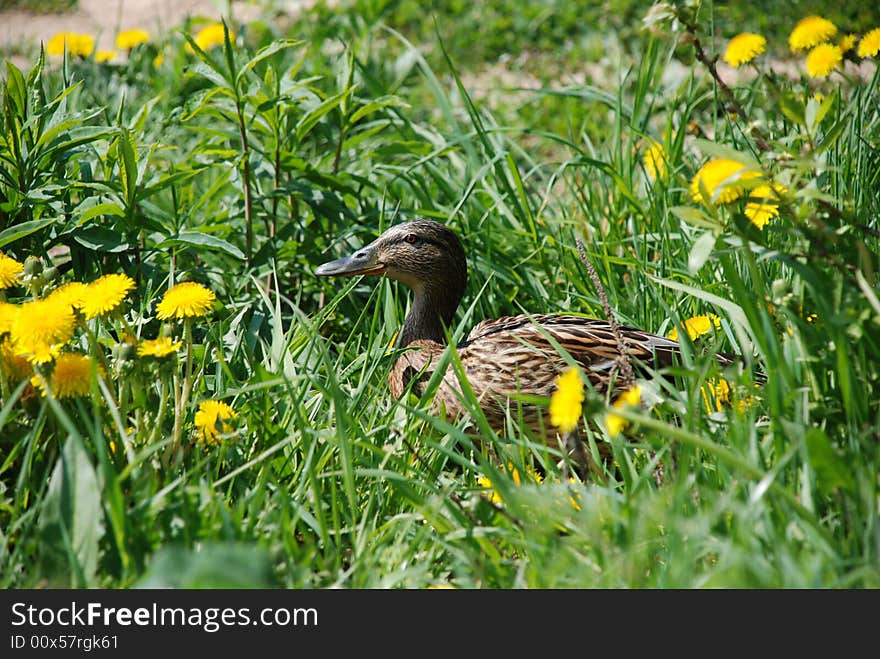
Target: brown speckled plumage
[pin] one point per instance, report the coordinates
(509, 356)
(501, 358)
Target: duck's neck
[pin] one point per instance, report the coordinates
(433, 309)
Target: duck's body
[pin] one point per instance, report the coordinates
(512, 357)
(505, 360)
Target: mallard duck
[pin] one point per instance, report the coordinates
(502, 358)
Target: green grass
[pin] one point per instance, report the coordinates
(39, 6)
(322, 479)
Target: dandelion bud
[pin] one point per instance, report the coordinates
(658, 19)
(32, 266)
(686, 39)
(125, 351)
(50, 274)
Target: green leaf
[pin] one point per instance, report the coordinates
(128, 165)
(71, 519)
(17, 231)
(373, 106)
(212, 73)
(734, 311)
(199, 239)
(263, 53)
(792, 108)
(833, 133)
(77, 137)
(202, 99)
(695, 216)
(700, 251)
(314, 116)
(831, 471)
(53, 130)
(213, 565)
(100, 209)
(100, 239)
(816, 111)
(210, 64)
(15, 87)
(716, 150)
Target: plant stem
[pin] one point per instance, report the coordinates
(181, 395)
(626, 369)
(246, 180)
(726, 92)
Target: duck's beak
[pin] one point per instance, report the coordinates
(363, 262)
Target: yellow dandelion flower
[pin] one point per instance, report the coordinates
(654, 160)
(574, 498)
(492, 494)
(84, 45)
(105, 56)
(185, 301)
(72, 293)
(158, 60)
(40, 328)
(532, 476)
(210, 421)
(161, 347)
(75, 44)
(211, 36)
(632, 397)
(761, 212)
(128, 39)
(810, 32)
(7, 315)
(697, 326)
(10, 269)
(743, 48)
(566, 401)
(869, 45)
(13, 367)
(722, 178)
(716, 394)
(615, 423)
(823, 59)
(847, 43)
(105, 294)
(58, 43)
(72, 375)
(763, 205)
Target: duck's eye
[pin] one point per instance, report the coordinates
(411, 238)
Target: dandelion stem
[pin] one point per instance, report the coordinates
(160, 415)
(181, 398)
(246, 181)
(726, 92)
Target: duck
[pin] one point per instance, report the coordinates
(508, 361)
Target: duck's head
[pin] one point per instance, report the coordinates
(424, 255)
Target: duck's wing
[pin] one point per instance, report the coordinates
(524, 343)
